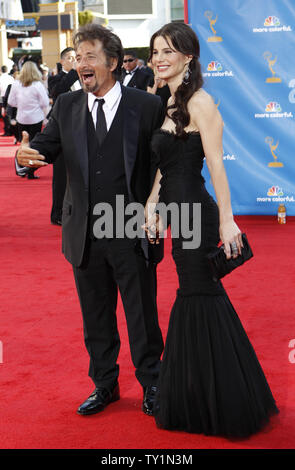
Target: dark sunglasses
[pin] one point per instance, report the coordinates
(128, 60)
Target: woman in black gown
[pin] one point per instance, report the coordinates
(211, 381)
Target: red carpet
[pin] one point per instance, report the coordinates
(45, 365)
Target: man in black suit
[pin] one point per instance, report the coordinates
(133, 76)
(66, 80)
(104, 132)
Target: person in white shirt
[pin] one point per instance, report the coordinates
(5, 80)
(30, 97)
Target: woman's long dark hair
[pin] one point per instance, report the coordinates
(184, 40)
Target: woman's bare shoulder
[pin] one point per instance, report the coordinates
(203, 110)
(201, 99)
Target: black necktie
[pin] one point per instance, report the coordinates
(101, 125)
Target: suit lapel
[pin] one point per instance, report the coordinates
(131, 118)
(79, 129)
(132, 81)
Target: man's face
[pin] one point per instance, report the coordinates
(93, 68)
(68, 61)
(129, 63)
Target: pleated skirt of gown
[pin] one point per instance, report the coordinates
(211, 381)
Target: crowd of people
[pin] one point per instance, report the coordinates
(26, 105)
(135, 73)
(111, 135)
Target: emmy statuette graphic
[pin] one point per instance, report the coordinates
(208, 14)
(275, 163)
(273, 79)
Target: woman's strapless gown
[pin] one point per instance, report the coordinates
(210, 381)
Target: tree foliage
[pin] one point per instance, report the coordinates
(85, 17)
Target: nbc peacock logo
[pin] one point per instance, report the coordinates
(275, 191)
(273, 107)
(275, 194)
(215, 69)
(272, 24)
(271, 21)
(214, 66)
(273, 110)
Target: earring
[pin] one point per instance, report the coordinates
(186, 76)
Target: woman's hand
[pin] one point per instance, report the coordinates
(154, 227)
(153, 223)
(231, 237)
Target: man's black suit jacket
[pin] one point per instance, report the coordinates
(140, 79)
(66, 131)
(61, 83)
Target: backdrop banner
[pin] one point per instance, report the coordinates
(247, 57)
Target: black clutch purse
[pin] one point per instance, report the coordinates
(220, 265)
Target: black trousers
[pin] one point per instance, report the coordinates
(32, 130)
(59, 180)
(110, 265)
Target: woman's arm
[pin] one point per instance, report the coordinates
(153, 89)
(206, 117)
(153, 225)
(153, 198)
(157, 82)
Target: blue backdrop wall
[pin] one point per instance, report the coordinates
(248, 62)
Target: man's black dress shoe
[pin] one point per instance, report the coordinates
(31, 176)
(149, 394)
(98, 400)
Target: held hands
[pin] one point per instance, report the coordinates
(153, 225)
(231, 237)
(29, 157)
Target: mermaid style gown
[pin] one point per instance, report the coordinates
(210, 381)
